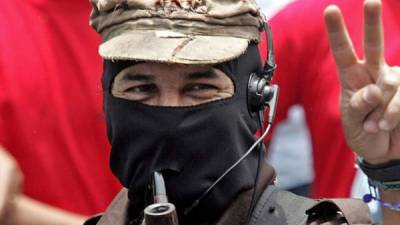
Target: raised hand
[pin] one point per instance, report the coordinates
(370, 94)
(10, 182)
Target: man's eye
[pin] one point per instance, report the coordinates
(142, 89)
(201, 91)
(200, 87)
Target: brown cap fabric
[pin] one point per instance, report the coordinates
(176, 31)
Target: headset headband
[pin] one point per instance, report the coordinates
(269, 66)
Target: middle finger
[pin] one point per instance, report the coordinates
(373, 33)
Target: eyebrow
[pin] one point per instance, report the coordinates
(137, 77)
(209, 74)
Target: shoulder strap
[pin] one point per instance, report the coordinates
(279, 207)
(116, 212)
(341, 211)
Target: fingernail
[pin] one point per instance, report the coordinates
(371, 126)
(385, 125)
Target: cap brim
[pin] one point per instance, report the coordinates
(171, 47)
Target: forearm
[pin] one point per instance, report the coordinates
(31, 212)
(390, 217)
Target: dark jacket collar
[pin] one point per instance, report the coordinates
(235, 214)
(117, 212)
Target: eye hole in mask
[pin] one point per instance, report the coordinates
(169, 85)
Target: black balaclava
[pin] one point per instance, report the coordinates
(191, 146)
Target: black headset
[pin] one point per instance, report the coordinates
(260, 92)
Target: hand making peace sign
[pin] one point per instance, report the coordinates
(370, 93)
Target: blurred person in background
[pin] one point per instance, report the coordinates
(290, 150)
(54, 165)
(290, 147)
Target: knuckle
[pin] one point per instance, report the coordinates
(357, 103)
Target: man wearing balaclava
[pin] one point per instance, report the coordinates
(183, 88)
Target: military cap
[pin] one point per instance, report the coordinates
(176, 31)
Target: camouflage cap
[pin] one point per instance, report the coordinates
(176, 31)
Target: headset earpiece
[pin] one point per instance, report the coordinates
(260, 92)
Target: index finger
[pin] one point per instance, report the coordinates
(340, 42)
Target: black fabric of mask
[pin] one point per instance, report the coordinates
(191, 146)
